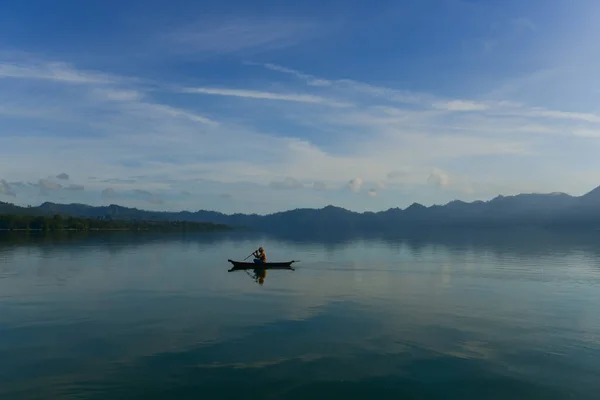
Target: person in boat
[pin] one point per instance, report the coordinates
(260, 257)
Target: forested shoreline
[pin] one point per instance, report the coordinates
(11, 222)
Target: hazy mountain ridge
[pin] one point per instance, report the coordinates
(553, 209)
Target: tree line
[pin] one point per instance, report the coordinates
(57, 223)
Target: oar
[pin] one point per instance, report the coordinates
(249, 255)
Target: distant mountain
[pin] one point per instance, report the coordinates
(548, 210)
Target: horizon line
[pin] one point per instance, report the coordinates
(306, 208)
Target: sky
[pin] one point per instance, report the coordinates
(264, 106)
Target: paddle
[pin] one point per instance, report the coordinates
(251, 254)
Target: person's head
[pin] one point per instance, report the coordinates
(260, 250)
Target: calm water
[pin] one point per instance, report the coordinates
(470, 316)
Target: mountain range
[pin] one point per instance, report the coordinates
(544, 210)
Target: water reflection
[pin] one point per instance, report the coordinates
(258, 275)
(259, 270)
(432, 316)
(516, 242)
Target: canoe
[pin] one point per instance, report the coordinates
(239, 265)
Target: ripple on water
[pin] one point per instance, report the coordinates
(463, 317)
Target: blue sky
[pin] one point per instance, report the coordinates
(265, 106)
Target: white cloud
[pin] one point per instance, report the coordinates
(552, 114)
(310, 79)
(173, 112)
(439, 178)
(460, 105)
(401, 96)
(355, 184)
(496, 108)
(586, 133)
(52, 71)
(117, 95)
(249, 35)
(124, 131)
(376, 189)
(252, 94)
(5, 189)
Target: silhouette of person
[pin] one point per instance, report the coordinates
(260, 257)
(260, 275)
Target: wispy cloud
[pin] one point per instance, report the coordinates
(252, 94)
(125, 131)
(460, 105)
(53, 71)
(427, 101)
(310, 79)
(586, 133)
(116, 94)
(395, 95)
(552, 114)
(249, 35)
(5, 189)
(175, 112)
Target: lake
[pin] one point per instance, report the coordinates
(467, 315)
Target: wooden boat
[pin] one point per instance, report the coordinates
(240, 265)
